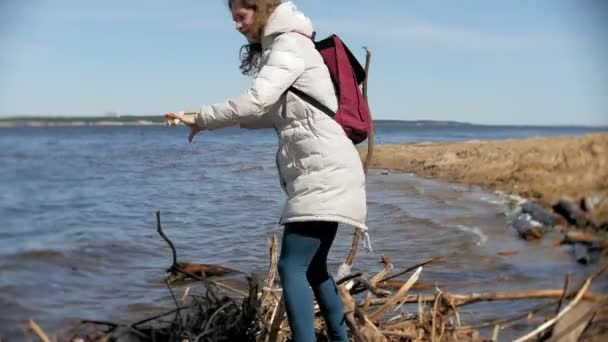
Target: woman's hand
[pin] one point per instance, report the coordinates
(186, 120)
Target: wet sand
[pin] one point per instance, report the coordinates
(540, 169)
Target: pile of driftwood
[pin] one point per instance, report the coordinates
(377, 308)
(532, 221)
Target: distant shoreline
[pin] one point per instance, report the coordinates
(159, 120)
(108, 123)
(81, 121)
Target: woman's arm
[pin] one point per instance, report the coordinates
(283, 66)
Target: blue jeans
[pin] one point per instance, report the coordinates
(303, 262)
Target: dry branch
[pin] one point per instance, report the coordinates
(461, 300)
(374, 317)
(38, 331)
(549, 323)
(159, 229)
(259, 315)
(370, 138)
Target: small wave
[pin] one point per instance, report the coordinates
(250, 168)
(482, 238)
(389, 209)
(492, 200)
(41, 254)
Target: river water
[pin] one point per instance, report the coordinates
(78, 236)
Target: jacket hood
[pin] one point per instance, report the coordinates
(286, 18)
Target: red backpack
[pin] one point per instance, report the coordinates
(347, 74)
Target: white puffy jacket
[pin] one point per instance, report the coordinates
(319, 168)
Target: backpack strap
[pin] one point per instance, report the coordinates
(311, 37)
(305, 96)
(312, 101)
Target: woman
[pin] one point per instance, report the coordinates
(319, 168)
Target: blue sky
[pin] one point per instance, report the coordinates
(491, 62)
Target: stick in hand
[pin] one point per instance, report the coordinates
(194, 129)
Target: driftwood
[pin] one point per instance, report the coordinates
(361, 327)
(586, 238)
(461, 299)
(552, 321)
(383, 280)
(396, 284)
(183, 270)
(375, 316)
(258, 315)
(573, 323)
(370, 138)
(345, 268)
(388, 266)
(38, 331)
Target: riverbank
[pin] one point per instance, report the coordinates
(540, 169)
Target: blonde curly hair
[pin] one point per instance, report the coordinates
(250, 53)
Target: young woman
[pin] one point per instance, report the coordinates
(319, 168)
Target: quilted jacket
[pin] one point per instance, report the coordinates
(319, 167)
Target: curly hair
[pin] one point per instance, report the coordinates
(250, 54)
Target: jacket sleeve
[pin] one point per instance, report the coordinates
(282, 67)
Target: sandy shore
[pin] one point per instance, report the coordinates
(541, 169)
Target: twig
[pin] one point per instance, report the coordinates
(589, 316)
(344, 269)
(434, 316)
(272, 269)
(177, 313)
(349, 310)
(424, 263)
(159, 316)
(370, 138)
(561, 299)
(185, 295)
(208, 283)
(396, 298)
(38, 331)
(230, 288)
(458, 321)
(420, 311)
(212, 317)
(275, 322)
(442, 331)
(495, 333)
(353, 247)
(110, 324)
(159, 229)
(460, 300)
(373, 289)
(512, 318)
(580, 294)
(388, 266)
